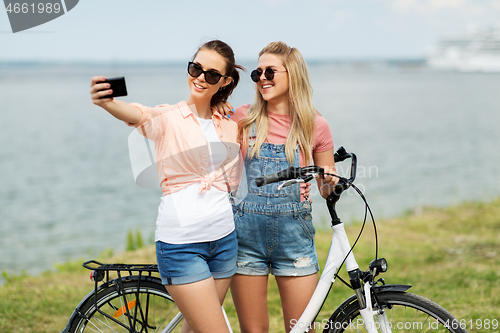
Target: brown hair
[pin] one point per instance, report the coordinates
(231, 69)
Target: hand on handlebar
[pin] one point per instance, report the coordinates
(307, 190)
(327, 183)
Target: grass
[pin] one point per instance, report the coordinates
(450, 255)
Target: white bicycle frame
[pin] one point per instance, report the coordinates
(339, 248)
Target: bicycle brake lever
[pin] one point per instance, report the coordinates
(290, 182)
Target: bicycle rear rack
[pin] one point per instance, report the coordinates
(99, 270)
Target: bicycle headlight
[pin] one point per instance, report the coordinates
(379, 264)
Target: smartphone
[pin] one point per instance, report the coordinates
(117, 85)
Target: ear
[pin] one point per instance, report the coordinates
(228, 81)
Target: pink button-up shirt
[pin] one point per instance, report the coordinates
(182, 152)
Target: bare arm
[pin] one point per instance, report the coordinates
(117, 109)
(325, 160)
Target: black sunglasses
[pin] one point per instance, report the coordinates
(211, 76)
(268, 73)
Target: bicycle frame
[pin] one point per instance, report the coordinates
(340, 251)
(339, 248)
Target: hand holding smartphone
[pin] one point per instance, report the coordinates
(117, 84)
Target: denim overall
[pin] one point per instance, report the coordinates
(274, 228)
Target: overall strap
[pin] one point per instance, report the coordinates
(253, 133)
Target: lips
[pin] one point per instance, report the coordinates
(266, 86)
(198, 87)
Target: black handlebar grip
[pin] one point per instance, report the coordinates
(261, 181)
(289, 173)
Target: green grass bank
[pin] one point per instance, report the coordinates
(450, 255)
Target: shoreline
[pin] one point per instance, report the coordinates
(322, 225)
(325, 227)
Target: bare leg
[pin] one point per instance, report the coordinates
(222, 285)
(250, 299)
(295, 293)
(200, 304)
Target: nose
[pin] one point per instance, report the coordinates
(260, 77)
(202, 75)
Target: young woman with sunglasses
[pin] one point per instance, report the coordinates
(197, 154)
(275, 230)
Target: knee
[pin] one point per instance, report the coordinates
(259, 328)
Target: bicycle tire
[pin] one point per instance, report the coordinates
(151, 305)
(405, 312)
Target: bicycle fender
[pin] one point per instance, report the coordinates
(377, 290)
(103, 286)
(82, 302)
(392, 287)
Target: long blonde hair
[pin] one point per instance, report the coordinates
(301, 107)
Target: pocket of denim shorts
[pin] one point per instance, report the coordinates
(305, 219)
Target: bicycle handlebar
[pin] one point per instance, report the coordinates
(288, 174)
(342, 155)
(304, 174)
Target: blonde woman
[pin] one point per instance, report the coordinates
(275, 230)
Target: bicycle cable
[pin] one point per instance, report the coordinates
(367, 209)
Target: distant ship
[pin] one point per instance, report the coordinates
(474, 51)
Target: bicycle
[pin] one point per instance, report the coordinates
(374, 307)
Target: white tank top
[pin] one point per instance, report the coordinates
(187, 216)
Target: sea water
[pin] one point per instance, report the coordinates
(67, 190)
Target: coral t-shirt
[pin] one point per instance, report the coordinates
(279, 127)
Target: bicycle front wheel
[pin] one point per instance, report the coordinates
(147, 309)
(405, 312)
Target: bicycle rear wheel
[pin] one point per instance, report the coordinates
(405, 312)
(148, 309)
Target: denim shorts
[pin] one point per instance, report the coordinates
(278, 242)
(188, 263)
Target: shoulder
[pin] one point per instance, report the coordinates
(241, 112)
(179, 110)
(166, 106)
(323, 139)
(320, 121)
(154, 111)
(243, 108)
(321, 126)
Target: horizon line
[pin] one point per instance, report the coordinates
(311, 60)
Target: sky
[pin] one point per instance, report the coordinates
(162, 30)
